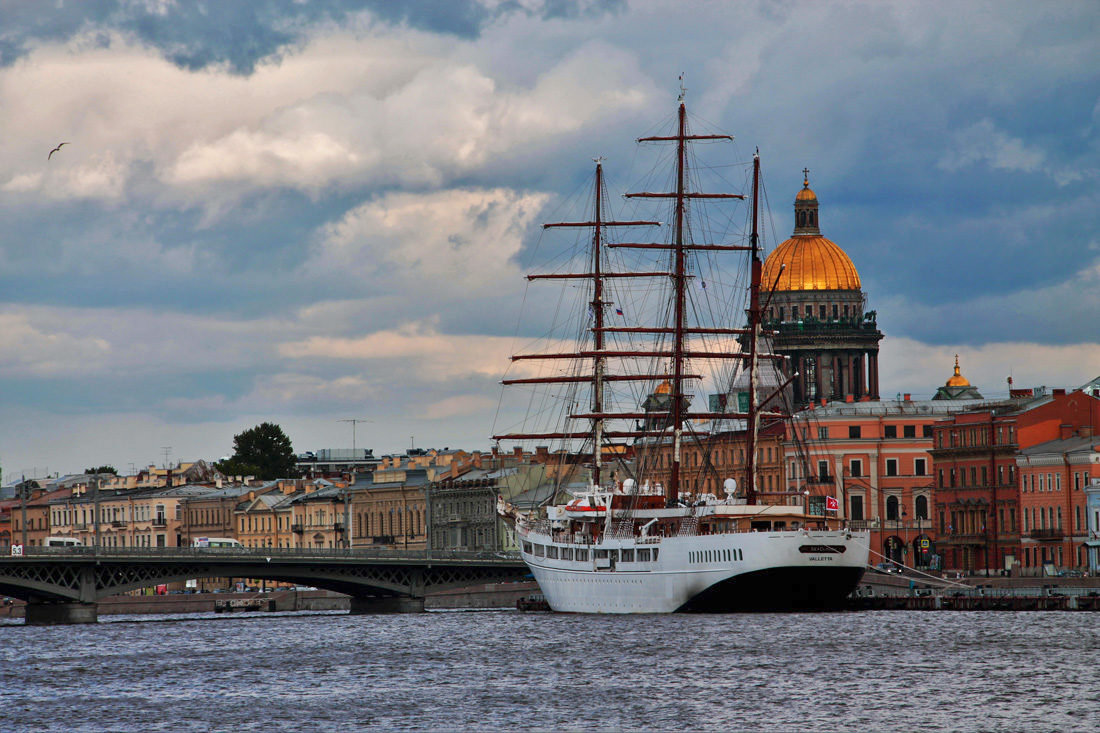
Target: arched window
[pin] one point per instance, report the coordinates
(922, 507)
(891, 507)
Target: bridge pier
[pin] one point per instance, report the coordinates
(387, 604)
(50, 614)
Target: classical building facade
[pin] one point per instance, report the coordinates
(817, 311)
(874, 457)
(1053, 506)
(985, 514)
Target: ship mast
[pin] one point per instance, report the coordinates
(597, 306)
(681, 350)
(753, 421)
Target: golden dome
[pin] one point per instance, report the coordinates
(812, 263)
(958, 380)
(664, 387)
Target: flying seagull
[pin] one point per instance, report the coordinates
(55, 150)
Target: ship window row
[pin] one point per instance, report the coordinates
(702, 556)
(552, 552)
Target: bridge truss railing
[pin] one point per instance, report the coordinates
(252, 553)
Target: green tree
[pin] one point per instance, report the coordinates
(263, 451)
(101, 469)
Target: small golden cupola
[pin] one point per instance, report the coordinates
(957, 387)
(957, 380)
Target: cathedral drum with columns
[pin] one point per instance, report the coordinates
(817, 311)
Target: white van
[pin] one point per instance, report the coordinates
(212, 542)
(61, 542)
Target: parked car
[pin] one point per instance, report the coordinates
(887, 567)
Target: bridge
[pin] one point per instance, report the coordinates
(62, 585)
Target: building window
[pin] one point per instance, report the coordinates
(892, 507)
(857, 507)
(855, 467)
(891, 466)
(823, 470)
(920, 466)
(921, 507)
(821, 311)
(890, 431)
(854, 432)
(836, 313)
(822, 433)
(909, 431)
(927, 432)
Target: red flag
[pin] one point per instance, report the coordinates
(831, 504)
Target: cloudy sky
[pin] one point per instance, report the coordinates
(309, 212)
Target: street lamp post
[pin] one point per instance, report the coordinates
(904, 540)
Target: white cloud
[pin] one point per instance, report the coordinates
(982, 142)
(373, 106)
(417, 348)
(1051, 314)
(286, 390)
(907, 365)
(447, 243)
(31, 349)
(120, 343)
(457, 406)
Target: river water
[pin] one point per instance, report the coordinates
(855, 671)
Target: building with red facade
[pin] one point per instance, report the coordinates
(979, 496)
(974, 464)
(1053, 503)
(873, 456)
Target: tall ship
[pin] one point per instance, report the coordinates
(657, 523)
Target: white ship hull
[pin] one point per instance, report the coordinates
(790, 569)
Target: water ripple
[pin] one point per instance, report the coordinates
(943, 671)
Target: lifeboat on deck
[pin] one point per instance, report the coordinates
(585, 506)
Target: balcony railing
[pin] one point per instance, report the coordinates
(1047, 534)
(337, 526)
(297, 528)
(118, 523)
(160, 521)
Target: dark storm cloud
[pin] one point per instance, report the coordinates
(197, 34)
